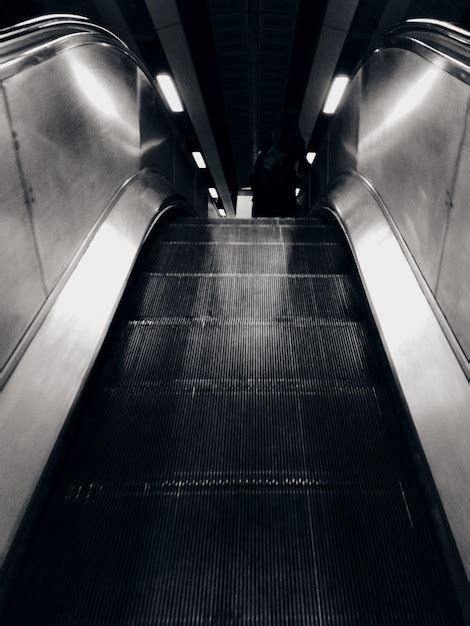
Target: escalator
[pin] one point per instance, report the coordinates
(238, 455)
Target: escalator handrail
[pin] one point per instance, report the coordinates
(452, 31)
(40, 23)
(35, 40)
(415, 34)
(26, 39)
(441, 43)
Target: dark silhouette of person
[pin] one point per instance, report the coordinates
(278, 168)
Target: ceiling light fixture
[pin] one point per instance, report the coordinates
(222, 213)
(311, 157)
(213, 193)
(297, 191)
(197, 156)
(170, 93)
(335, 94)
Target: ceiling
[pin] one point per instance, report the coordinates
(251, 57)
(253, 43)
(254, 57)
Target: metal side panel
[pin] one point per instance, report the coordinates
(453, 293)
(77, 146)
(21, 286)
(433, 384)
(41, 391)
(411, 120)
(343, 136)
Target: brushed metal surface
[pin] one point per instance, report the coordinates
(41, 391)
(433, 384)
(408, 148)
(344, 133)
(19, 38)
(453, 289)
(411, 111)
(86, 117)
(21, 287)
(88, 121)
(87, 136)
(156, 138)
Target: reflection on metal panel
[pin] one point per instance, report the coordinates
(343, 136)
(453, 290)
(409, 149)
(21, 287)
(40, 393)
(156, 138)
(87, 118)
(436, 389)
(87, 137)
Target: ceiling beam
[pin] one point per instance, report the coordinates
(167, 21)
(336, 25)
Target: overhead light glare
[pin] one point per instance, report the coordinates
(197, 156)
(222, 213)
(311, 157)
(213, 193)
(297, 191)
(335, 94)
(169, 91)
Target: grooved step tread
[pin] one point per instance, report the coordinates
(207, 555)
(198, 436)
(268, 221)
(245, 297)
(270, 349)
(206, 258)
(237, 456)
(256, 233)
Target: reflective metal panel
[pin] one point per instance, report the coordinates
(432, 382)
(76, 119)
(21, 288)
(411, 123)
(343, 136)
(453, 290)
(41, 391)
(156, 138)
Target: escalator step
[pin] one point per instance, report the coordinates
(246, 233)
(182, 555)
(252, 222)
(333, 351)
(207, 258)
(197, 435)
(237, 456)
(245, 297)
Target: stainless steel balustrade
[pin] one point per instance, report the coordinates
(88, 163)
(395, 171)
(84, 130)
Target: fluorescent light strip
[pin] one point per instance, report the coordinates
(222, 213)
(297, 191)
(335, 94)
(213, 193)
(197, 156)
(311, 157)
(169, 91)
